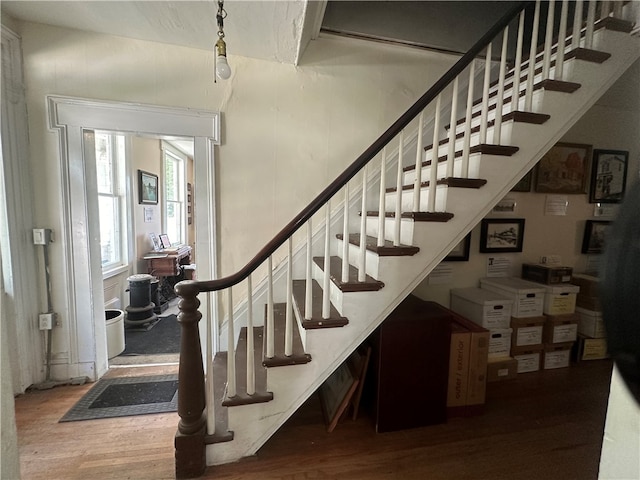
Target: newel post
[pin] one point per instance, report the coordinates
(189, 439)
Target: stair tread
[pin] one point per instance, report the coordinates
(279, 359)
(352, 285)
(557, 86)
(386, 250)
(614, 24)
(589, 55)
(316, 320)
(261, 394)
(417, 216)
(455, 182)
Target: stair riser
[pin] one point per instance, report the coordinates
(474, 165)
(406, 229)
(408, 199)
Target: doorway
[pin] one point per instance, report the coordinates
(75, 120)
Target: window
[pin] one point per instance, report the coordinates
(110, 167)
(174, 204)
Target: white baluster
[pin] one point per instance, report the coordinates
(433, 177)
(362, 263)
(308, 297)
(562, 40)
(497, 127)
(418, 180)
(577, 26)
(528, 98)
(484, 113)
(381, 200)
(451, 152)
(617, 9)
(212, 332)
(398, 209)
(270, 333)
(288, 326)
(326, 301)
(591, 18)
(251, 369)
(515, 90)
(605, 9)
(231, 356)
(345, 235)
(548, 42)
(467, 123)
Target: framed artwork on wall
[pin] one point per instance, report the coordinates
(563, 169)
(608, 176)
(147, 188)
(501, 235)
(460, 252)
(524, 185)
(595, 234)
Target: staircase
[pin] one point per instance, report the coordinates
(373, 235)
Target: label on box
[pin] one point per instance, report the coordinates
(529, 336)
(529, 362)
(559, 304)
(559, 359)
(565, 333)
(594, 348)
(529, 306)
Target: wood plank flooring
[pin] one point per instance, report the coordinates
(542, 425)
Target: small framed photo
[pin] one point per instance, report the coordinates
(147, 188)
(563, 169)
(524, 185)
(595, 234)
(501, 235)
(460, 252)
(164, 240)
(608, 176)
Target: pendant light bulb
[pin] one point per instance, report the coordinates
(223, 70)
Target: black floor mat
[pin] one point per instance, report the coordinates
(126, 396)
(164, 337)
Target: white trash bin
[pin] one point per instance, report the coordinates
(115, 332)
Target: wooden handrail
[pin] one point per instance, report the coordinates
(358, 164)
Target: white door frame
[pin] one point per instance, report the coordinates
(69, 117)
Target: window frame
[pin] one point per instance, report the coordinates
(176, 155)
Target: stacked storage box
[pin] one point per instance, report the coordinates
(493, 312)
(592, 343)
(561, 321)
(527, 320)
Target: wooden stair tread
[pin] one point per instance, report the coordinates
(490, 149)
(526, 117)
(370, 284)
(387, 250)
(221, 414)
(261, 394)
(557, 86)
(588, 55)
(279, 359)
(614, 24)
(454, 182)
(417, 216)
(316, 320)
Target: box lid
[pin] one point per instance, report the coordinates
(520, 322)
(563, 318)
(562, 288)
(513, 284)
(588, 313)
(480, 296)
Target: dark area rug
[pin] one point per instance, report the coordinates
(164, 337)
(126, 396)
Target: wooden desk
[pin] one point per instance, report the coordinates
(168, 264)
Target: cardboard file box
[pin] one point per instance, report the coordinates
(588, 284)
(527, 331)
(590, 323)
(547, 274)
(589, 349)
(528, 297)
(500, 342)
(561, 328)
(557, 355)
(499, 369)
(488, 309)
(560, 299)
(528, 357)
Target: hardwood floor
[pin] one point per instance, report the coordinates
(542, 425)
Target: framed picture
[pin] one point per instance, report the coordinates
(460, 252)
(501, 235)
(336, 394)
(563, 169)
(164, 240)
(608, 176)
(595, 234)
(147, 187)
(524, 185)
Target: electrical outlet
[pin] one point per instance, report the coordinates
(45, 321)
